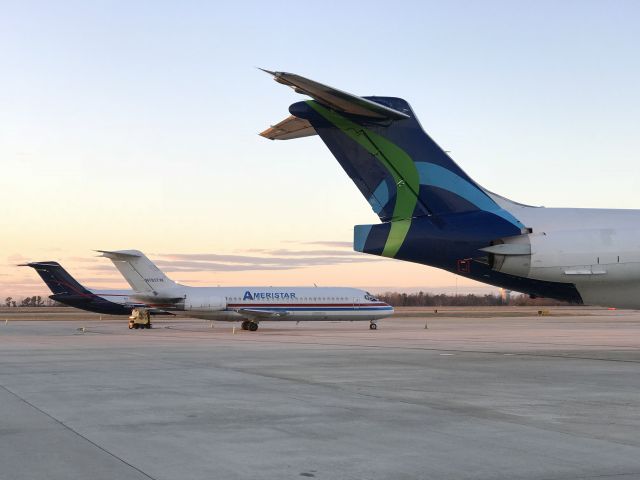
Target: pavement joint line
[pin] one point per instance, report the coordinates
(75, 432)
(440, 340)
(597, 475)
(399, 347)
(436, 405)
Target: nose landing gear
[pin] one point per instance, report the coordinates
(373, 326)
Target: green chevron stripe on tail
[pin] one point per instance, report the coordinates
(400, 166)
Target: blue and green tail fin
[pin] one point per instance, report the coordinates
(398, 168)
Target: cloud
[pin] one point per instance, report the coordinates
(270, 264)
(93, 259)
(24, 283)
(274, 259)
(216, 257)
(107, 267)
(187, 266)
(286, 252)
(325, 243)
(331, 243)
(16, 257)
(101, 271)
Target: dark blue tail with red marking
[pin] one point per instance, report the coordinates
(59, 281)
(69, 291)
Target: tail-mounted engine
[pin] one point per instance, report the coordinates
(206, 303)
(510, 255)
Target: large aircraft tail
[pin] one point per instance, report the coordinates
(59, 281)
(398, 168)
(140, 272)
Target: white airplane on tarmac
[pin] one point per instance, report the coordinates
(252, 305)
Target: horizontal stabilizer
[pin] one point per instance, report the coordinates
(337, 99)
(289, 129)
(119, 255)
(39, 264)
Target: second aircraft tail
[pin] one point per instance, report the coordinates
(141, 273)
(59, 281)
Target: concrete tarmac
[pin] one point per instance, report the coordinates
(509, 397)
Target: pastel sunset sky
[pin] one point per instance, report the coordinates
(134, 125)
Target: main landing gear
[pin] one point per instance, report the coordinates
(373, 326)
(249, 325)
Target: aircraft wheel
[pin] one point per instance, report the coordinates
(373, 326)
(245, 325)
(135, 325)
(253, 326)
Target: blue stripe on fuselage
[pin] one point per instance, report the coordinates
(437, 176)
(314, 309)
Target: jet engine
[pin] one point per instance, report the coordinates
(204, 302)
(511, 255)
(567, 255)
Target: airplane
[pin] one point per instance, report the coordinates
(251, 305)
(433, 213)
(68, 291)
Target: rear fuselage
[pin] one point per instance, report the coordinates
(596, 250)
(587, 256)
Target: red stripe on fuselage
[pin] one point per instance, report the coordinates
(319, 305)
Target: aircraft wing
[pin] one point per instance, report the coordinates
(259, 314)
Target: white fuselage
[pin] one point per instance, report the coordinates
(598, 250)
(262, 303)
(121, 297)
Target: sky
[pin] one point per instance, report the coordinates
(133, 125)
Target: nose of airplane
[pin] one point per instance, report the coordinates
(386, 310)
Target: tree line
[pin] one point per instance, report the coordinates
(396, 299)
(425, 299)
(33, 301)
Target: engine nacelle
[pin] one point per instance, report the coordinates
(204, 303)
(511, 255)
(569, 255)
